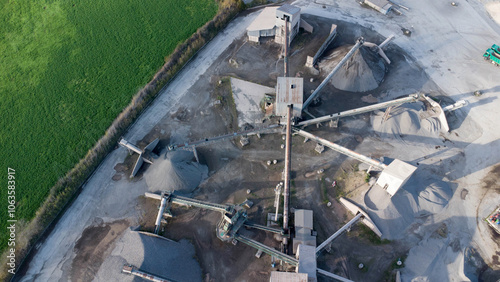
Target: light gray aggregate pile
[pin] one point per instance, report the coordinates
(405, 124)
(177, 171)
(364, 71)
(424, 194)
(155, 255)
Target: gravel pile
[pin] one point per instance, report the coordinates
(405, 124)
(424, 194)
(178, 171)
(364, 71)
(153, 254)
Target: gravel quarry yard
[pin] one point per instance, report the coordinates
(434, 223)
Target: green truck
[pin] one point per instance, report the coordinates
(493, 55)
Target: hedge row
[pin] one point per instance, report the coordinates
(67, 187)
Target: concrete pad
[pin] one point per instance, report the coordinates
(247, 97)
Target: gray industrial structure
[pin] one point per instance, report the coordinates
(311, 61)
(145, 155)
(279, 276)
(287, 15)
(303, 229)
(283, 23)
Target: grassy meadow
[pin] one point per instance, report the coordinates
(68, 68)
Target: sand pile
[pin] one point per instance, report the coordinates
(152, 254)
(178, 171)
(422, 195)
(364, 71)
(405, 123)
(434, 197)
(493, 9)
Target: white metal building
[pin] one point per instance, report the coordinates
(307, 261)
(264, 25)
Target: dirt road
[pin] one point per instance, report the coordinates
(102, 197)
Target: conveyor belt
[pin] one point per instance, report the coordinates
(197, 203)
(268, 250)
(343, 150)
(410, 99)
(221, 137)
(349, 54)
(265, 228)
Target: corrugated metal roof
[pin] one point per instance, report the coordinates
(302, 239)
(289, 9)
(307, 260)
(379, 3)
(277, 276)
(265, 20)
(304, 218)
(290, 90)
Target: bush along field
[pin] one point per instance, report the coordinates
(68, 69)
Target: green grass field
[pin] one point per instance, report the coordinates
(67, 70)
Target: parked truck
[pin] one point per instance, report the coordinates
(493, 55)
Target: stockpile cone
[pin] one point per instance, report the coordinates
(364, 71)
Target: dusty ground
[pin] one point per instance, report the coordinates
(85, 235)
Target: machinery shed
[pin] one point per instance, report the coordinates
(264, 25)
(278, 276)
(271, 22)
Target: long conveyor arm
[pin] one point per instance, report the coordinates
(175, 199)
(206, 141)
(342, 150)
(262, 227)
(268, 250)
(349, 54)
(410, 99)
